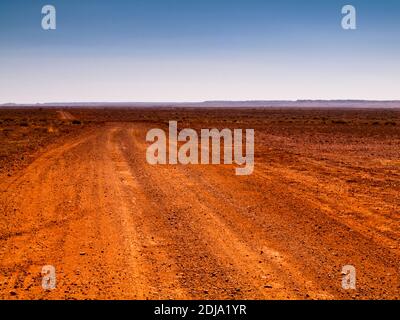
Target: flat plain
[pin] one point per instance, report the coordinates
(77, 193)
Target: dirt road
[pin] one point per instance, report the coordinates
(115, 227)
(65, 115)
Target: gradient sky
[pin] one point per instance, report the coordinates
(195, 50)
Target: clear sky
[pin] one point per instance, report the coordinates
(195, 50)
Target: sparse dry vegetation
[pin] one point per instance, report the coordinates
(324, 193)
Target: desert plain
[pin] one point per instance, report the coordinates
(77, 193)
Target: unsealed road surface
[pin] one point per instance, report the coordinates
(115, 227)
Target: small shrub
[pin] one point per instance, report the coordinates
(339, 121)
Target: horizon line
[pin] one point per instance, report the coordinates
(200, 102)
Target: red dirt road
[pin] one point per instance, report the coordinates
(65, 115)
(115, 227)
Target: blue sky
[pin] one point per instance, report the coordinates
(187, 50)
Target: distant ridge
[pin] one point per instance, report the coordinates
(226, 103)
